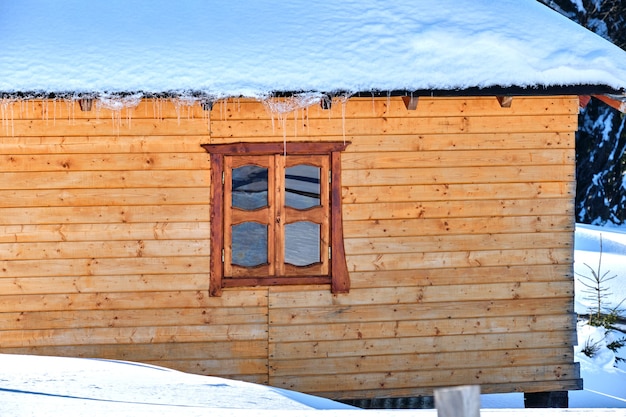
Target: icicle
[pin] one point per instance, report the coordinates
(344, 102)
(70, 105)
(284, 139)
(44, 110)
(207, 115)
(295, 123)
(184, 101)
(6, 107)
(280, 107)
(54, 112)
(118, 103)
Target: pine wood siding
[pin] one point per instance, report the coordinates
(458, 225)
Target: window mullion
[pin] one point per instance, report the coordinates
(279, 215)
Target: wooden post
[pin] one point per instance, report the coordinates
(463, 401)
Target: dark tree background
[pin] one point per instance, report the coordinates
(601, 139)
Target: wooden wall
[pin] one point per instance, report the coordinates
(458, 219)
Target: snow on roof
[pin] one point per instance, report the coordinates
(232, 48)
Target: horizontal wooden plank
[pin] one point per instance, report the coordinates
(95, 144)
(449, 142)
(433, 378)
(153, 334)
(458, 175)
(467, 258)
(131, 300)
(104, 179)
(77, 250)
(228, 368)
(414, 328)
(395, 107)
(456, 158)
(572, 384)
(456, 192)
(104, 266)
(422, 361)
(444, 226)
(485, 388)
(41, 320)
(456, 124)
(452, 209)
(448, 276)
(420, 311)
(144, 352)
(106, 214)
(423, 344)
(94, 284)
(393, 296)
(430, 142)
(458, 242)
(100, 162)
(103, 196)
(111, 127)
(107, 249)
(85, 232)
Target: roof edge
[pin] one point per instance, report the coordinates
(207, 96)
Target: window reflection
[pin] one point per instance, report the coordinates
(249, 187)
(302, 243)
(249, 244)
(302, 186)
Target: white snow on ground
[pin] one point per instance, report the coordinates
(230, 48)
(71, 386)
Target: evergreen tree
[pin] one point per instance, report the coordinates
(601, 139)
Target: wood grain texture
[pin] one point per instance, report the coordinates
(457, 223)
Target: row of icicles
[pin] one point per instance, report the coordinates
(121, 109)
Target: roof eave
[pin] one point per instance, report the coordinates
(579, 90)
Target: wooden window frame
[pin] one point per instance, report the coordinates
(338, 277)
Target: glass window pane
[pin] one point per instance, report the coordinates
(249, 245)
(249, 187)
(302, 186)
(302, 243)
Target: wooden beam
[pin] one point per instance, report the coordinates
(292, 148)
(326, 102)
(410, 102)
(505, 101)
(85, 104)
(618, 104)
(583, 101)
(217, 218)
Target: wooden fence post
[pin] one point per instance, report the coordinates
(463, 401)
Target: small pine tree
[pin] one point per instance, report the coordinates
(597, 290)
(600, 315)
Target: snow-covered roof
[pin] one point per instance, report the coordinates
(228, 48)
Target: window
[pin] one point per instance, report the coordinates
(276, 215)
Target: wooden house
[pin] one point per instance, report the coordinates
(365, 245)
